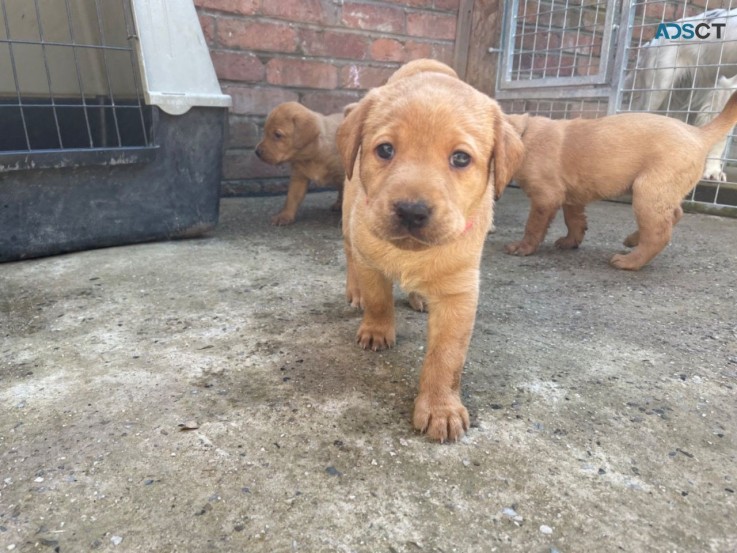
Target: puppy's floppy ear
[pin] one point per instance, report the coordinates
(508, 152)
(306, 128)
(350, 131)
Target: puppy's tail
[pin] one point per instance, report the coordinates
(715, 129)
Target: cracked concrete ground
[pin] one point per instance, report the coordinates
(207, 395)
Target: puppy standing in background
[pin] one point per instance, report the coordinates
(425, 155)
(571, 163)
(305, 139)
(680, 75)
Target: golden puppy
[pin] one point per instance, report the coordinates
(572, 163)
(305, 139)
(422, 173)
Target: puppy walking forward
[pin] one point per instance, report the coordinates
(572, 163)
(424, 156)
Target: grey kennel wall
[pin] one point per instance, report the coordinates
(112, 125)
(585, 58)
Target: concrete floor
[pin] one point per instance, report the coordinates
(207, 395)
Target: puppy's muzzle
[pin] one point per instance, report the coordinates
(259, 152)
(412, 215)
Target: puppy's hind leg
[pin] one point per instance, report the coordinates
(538, 221)
(338, 205)
(576, 222)
(655, 221)
(352, 288)
(417, 302)
(377, 327)
(633, 239)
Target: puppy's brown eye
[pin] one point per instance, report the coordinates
(385, 151)
(460, 159)
(278, 135)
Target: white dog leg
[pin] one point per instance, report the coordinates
(713, 103)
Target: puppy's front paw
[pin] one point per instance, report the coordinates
(376, 336)
(440, 417)
(282, 218)
(520, 248)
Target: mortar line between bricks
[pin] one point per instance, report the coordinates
(407, 10)
(371, 33)
(337, 62)
(299, 90)
(303, 57)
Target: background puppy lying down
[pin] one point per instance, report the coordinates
(572, 163)
(417, 206)
(305, 139)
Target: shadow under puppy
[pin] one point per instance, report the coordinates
(306, 139)
(425, 155)
(571, 163)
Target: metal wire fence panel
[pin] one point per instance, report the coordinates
(556, 42)
(69, 77)
(680, 60)
(558, 109)
(589, 58)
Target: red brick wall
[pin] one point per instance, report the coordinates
(322, 53)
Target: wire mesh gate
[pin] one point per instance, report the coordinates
(69, 82)
(590, 58)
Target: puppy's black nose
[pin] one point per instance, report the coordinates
(258, 152)
(412, 214)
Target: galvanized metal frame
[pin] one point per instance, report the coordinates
(598, 87)
(506, 82)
